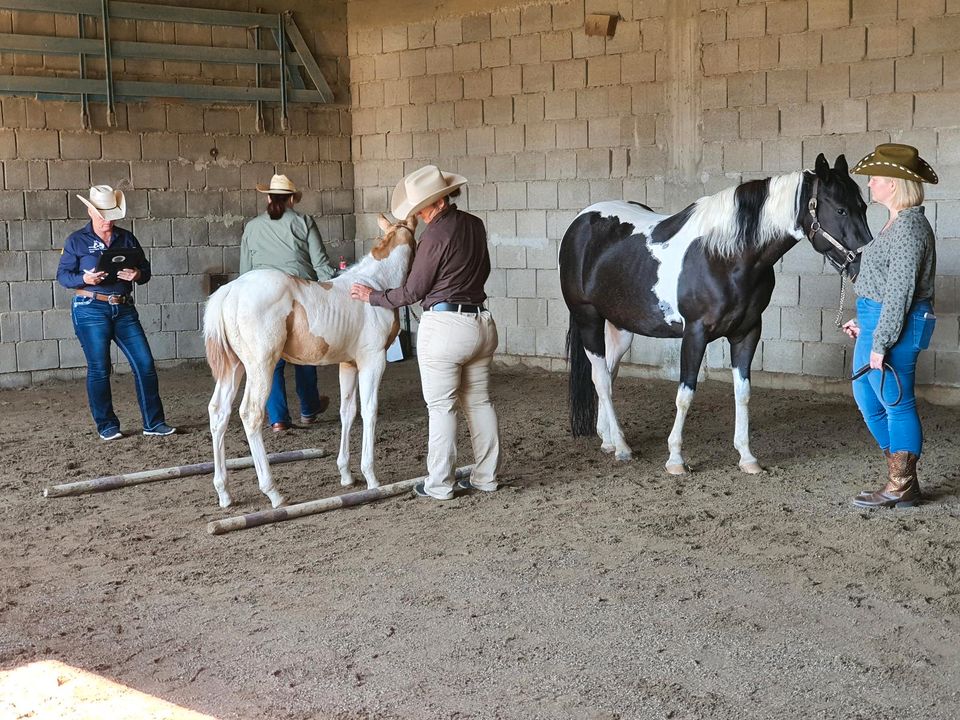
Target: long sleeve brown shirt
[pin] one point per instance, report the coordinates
(451, 265)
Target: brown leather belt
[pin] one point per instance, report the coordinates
(112, 299)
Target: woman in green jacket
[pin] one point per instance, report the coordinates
(283, 239)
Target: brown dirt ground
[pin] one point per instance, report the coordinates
(583, 589)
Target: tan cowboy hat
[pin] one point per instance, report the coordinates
(422, 187)
(280, 185)
(106, 202)
(899, 161)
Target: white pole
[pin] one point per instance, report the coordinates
(312, 507)
(112, 482)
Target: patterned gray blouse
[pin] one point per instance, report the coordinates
(897, 269)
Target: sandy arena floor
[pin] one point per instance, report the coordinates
(583, 589)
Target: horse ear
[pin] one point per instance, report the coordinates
(822, 168)
(841, 165)
(411, 222)
(384, 224)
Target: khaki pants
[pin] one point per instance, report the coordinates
(454, 351)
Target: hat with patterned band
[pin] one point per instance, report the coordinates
(422, 187)
(106, 202)
(899, 161)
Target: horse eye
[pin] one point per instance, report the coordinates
(841, 211)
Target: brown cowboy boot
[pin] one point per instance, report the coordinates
(902, 489)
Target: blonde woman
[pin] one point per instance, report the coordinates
(895, 316)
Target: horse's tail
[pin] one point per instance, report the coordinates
(583, 399)
(220, 356)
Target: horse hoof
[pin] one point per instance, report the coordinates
(624, 456)
(675, 469)
(608, 449)
(226, 501)
(277, 501)
(346, 482)
(751, 468)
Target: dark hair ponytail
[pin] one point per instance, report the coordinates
(277, 206)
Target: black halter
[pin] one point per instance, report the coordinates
(816, 229)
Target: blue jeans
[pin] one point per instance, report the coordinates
(97, 323)
(306, 378)
(894, 427)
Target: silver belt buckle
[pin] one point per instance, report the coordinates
(115, 299)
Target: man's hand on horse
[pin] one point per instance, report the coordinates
(851, 329)
(360, 292)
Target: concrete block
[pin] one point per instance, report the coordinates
(947, 368)
(786, 291)
(468, 113)
(818, 290)
(556, 46)
(475, 28)
(152, 233)
(542, 195)
(9, 327)
(548, 284)
(413, 64)
(179, 316)
(167, 203)
(168, 261)
(507, 81)
(844, 117)
(57, 324)
(149, 174)
(522, 283)
(846, 45)
(188, 231)
(800, 50)
(77, 145)
(937, 35)
(784, 356)
(823, 360)
(512, 196)
(746, 89)
(721, 125)
(505, 23)
(31, 326)
(511, 256)
(11, 205)
(453, 143)
(873, 77)
(786, 86)
(532, 224)
(825, 14)
(720, 58)
(467, 57)
(190, 344)
(448, 32)
(38, 144)
(37, 295)
(936, 109)
(38, 355)
(541, 136)
(426, 145)
(828, 83)
(920, 72)
(603, 70)
(889, 41)
(593, 163)
(561, 164)
(538, 78)
(202, 203)
(800, 120)
(190, 288)
(519, 341)
(746, 21)
(889, 112)
(222, 233)
(535, 19)
(46, 205)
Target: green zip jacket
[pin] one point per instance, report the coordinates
(291, 244)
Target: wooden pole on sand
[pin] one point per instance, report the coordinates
(264, 517)
(112, 482)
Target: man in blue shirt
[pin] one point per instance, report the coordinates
(103, 311)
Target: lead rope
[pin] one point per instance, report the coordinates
(843, 290)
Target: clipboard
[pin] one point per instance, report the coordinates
(115, 259)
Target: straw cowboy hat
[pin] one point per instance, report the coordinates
(106, 202)
(899, 161)
(422, 187)
(280, 185)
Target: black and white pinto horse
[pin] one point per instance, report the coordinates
(702, 274)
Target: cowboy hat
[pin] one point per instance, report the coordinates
(280, 185)
(899, 161)
(106, 202)
(422, 187)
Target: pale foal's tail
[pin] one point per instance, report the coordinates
(220, 356)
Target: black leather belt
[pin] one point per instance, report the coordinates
(111, 299)
(456, 307)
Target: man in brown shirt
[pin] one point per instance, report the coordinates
(457, 335)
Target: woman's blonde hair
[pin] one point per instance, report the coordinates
(906, 193)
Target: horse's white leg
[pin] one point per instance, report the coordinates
(692, 347)
(741, 435)
(221, 404)
(371, 371)
(603, 382)
(252, 411)
(675, 464)
(616, 343)
(348, 411)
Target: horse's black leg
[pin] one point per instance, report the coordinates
(691, 355)
(742, 351)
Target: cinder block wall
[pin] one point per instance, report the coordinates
(188, 171)
(689, 97)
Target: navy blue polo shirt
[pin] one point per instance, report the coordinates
(82, 251)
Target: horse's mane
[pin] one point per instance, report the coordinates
(753, 213)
